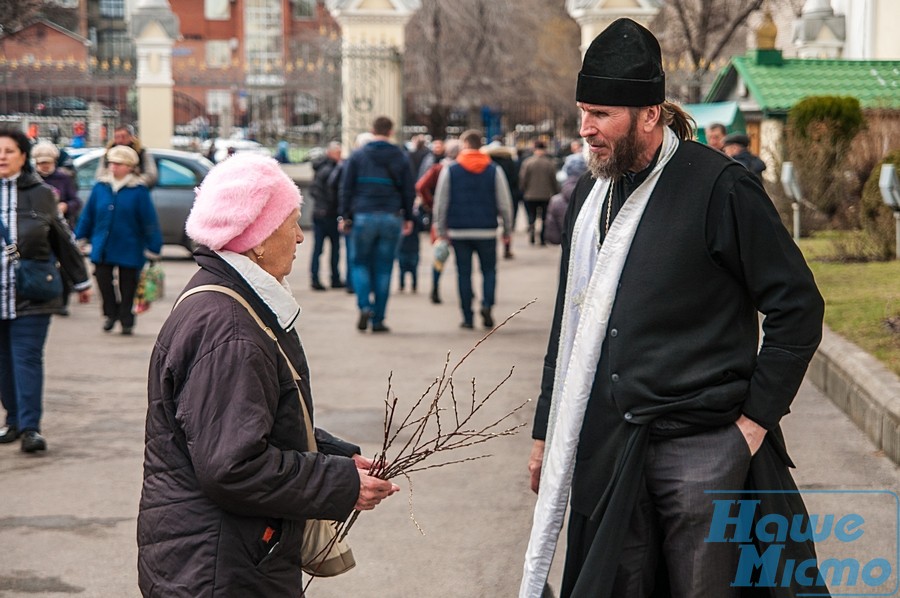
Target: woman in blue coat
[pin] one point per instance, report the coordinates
(121, 224)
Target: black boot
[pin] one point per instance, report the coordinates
(487, 317)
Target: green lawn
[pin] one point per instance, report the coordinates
(859, 298)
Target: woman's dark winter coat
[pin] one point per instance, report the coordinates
(64, 184)
(42, 234)
(228, 482)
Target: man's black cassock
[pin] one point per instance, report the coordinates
(681, 348)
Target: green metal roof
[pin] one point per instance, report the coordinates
(778, 83)
(725, 113)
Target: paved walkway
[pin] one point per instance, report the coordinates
(67, 519)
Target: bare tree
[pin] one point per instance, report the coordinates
(700, 32)
(466, 54)
(15, 13)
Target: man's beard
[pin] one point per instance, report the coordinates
(624, 153)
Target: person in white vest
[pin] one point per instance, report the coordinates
(655, 389)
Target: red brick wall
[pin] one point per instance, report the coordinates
(42, 42)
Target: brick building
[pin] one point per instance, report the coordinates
(271, 67)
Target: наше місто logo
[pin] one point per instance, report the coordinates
(856, 533)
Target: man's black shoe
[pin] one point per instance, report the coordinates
(379, 327)
(338, 284)
(488, 319)
(8, 434)
(363, 321)
(467, 325)
(435, 298)
(317, 286)
(33, 442)
(127, 330)
(108, 324)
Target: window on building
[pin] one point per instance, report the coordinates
(217, 10)
(263, 40)
(218, 101)
(114, 44)
(304, 9)
(112, 8)
(218, 53)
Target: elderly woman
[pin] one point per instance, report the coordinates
(29, 229)
(229, 480)
(121, 223)
(46, 158)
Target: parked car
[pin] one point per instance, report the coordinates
(179, 173)
(235, 145)
(62, 106)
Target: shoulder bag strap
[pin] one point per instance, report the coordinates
(310, 433)
(9, 248)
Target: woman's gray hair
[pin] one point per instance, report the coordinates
(451, 148)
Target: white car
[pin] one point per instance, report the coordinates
(239, 145)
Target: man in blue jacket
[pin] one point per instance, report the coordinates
(376, 201)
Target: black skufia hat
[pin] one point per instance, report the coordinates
(622, 67)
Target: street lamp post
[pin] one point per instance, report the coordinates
(792, 190)
(890, 194)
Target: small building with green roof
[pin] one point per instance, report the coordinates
(727, 114)
(766, 85)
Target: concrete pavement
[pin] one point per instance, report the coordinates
(67, 518)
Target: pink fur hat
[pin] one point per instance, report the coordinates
(241, 202)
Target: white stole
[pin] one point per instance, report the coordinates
(591, 287)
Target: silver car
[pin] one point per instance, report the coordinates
(179, 173)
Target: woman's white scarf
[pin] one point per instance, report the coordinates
(277, 295)
(129, 180)
(590, 293)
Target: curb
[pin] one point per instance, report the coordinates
(862, 387)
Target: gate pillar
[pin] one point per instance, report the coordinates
(154, 28)
(372, 47)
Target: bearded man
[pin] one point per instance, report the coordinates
(656, 393)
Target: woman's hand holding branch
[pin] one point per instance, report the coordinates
(372, 491)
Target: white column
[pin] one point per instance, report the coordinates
(593, 16)
(372, 47)
(154, 28)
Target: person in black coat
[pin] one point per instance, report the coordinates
(31, 229)
(231, 474)
(656, 391)
(324, 193)
(737, 147)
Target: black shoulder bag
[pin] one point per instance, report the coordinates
(36, 280)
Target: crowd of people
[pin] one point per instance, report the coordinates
(655, 388)
(382, 198)
(41, 220)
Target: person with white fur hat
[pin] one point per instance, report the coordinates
(121, 224)
(229, 477)
(46, 160)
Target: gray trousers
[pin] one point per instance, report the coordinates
(671, 518)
